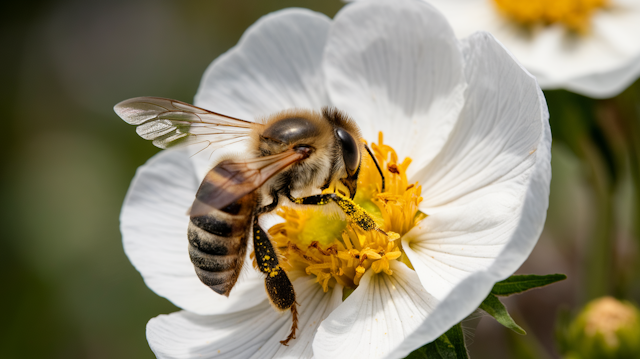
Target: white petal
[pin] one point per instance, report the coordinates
(396, 67)
(251, 333)
(498, 132)
(376, 317)
(154, 224)
(275, 66)
(474, 190)
(469, 16)
(605, 84)
(453, 243)
(470, 292)
(486, 235)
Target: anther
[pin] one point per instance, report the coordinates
(393, 168)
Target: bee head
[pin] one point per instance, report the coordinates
(332, 139)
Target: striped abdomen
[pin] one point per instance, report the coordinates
(218, 243)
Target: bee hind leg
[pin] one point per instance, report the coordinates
(294, 325)
(279, 287)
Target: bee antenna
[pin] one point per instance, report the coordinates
(376, 163)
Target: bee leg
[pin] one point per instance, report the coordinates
(277, 283)
(355, 213)
(271, 206)
(294, 324)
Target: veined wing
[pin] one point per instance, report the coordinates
(168, 122)
(231, 180)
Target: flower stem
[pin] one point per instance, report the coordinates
(599, 257)
(625, 111)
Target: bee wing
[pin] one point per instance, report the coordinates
(231, 180)
(168, 122)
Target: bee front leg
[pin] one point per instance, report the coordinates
(355, 213)
(279, 287)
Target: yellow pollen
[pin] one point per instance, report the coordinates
(575, 15)
(336, 250)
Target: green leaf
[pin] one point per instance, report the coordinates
(448, 346)
(428, 351)
(456, 336)
(520, 283)
(445, 348)
(496, 309)
(431, 351)
(420, 353)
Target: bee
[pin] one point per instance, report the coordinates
(293, 152)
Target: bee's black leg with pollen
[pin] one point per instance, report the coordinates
(355, 213)
(279, 287)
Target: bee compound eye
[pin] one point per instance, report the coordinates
(350, 150)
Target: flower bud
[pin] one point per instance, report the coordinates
(606, 328)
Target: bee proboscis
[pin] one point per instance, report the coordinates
(295, 154)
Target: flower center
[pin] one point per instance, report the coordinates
(336, 251)
(575, 15)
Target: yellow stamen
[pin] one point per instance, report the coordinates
(340, 251)
(575, 15)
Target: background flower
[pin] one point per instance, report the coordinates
(474, 123)
(600, 62)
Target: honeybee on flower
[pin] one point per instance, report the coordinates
(460, 132)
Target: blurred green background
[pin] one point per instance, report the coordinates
(68, 289)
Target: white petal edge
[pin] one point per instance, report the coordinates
(377, 317)
(154, 224)
(600, 85)
(467, 295)
(251, 333)
(276, 65)
(396, 67)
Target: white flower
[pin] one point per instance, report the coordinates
(475, 124)
(600, 61)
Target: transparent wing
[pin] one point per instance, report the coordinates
(169, 122)
(231, 180)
